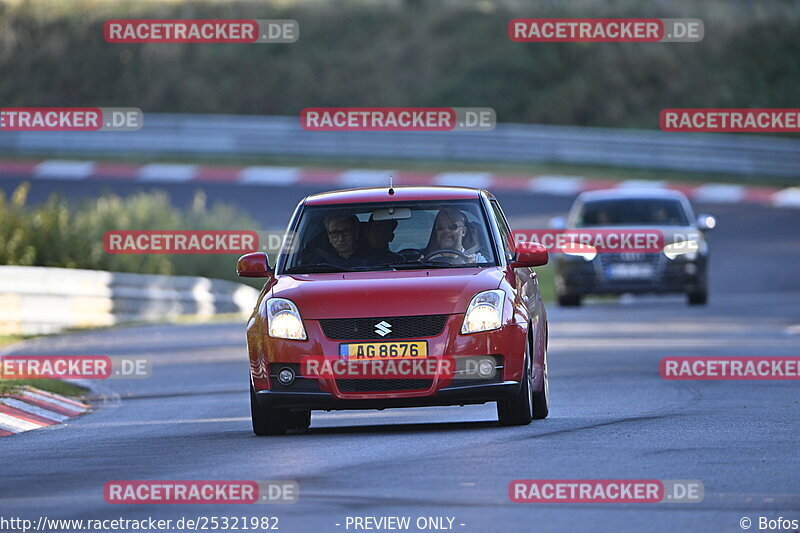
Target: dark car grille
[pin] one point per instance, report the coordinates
(655, 260)
(382, 385)
(650, 258)
(402, 327)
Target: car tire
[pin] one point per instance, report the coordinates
(697, 298)
(300, 420)
(569, 300)
(540, 397)
(267, 420)
(518, 411)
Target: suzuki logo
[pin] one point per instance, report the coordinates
(383, 328)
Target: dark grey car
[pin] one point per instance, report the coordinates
(680, 267)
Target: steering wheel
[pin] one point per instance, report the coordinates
(443, 251)
(318, 253)
(410, 253)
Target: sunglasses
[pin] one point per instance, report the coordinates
(448, 227)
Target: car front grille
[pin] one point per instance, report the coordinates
(383, 385)
(399, 327)
(656, 260)
(650, 258)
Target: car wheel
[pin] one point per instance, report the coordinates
(540, 407)
(698, 298)
(299, 420)
(518, 411)
(569, 300)
(267, 420)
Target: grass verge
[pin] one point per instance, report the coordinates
(6, 340)
(55, 386)
(522, 170)
(547, 285)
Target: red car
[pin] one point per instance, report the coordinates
(391, 276)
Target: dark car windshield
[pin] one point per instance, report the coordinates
(389, 236)
(625, 212)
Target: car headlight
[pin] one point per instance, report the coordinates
(687, 248)
(485, 312)
(284, 320)
(586, 251)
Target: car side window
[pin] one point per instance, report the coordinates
(505, 230)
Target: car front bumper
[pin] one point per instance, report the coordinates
(452, 395)
(268, 356)
(579, 277)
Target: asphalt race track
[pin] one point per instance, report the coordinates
(612, 416)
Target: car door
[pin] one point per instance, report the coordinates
(526, 283)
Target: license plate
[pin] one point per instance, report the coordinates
(375, 351)
(630, 271)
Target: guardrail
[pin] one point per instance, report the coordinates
(235, 136)
(36, 300)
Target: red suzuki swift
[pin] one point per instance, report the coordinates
(426, 277)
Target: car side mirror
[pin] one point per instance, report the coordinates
(529, 254)
(557, 223)
(706, 222)
(254, 265)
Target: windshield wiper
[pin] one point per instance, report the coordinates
(321, 268)
(318, 268)
(423, 264)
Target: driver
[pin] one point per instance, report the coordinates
(449, 230)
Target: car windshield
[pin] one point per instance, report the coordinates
(389, 236)
(645, 212)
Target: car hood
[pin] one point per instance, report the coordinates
(392, 293)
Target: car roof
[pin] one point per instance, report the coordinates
(633, 193)
(401, 194)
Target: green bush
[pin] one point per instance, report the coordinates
(412, 53)
(57, 234)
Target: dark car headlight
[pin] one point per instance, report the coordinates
(687, 249)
